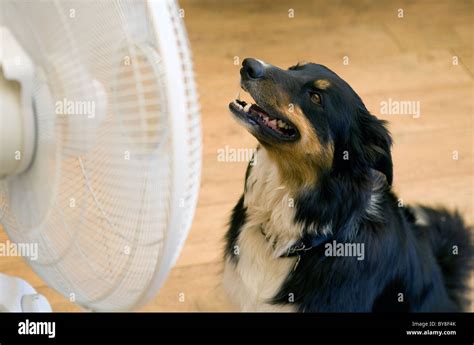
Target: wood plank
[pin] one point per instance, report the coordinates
(407, 59)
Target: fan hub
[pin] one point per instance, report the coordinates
(17, 123)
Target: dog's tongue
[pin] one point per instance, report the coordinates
(272, 124)
(269, 122)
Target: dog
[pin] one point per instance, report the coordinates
(318, 227)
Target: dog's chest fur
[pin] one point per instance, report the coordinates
(258, 273)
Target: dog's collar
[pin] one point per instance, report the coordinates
(305, 244)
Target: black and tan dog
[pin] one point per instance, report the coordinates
(318, 227)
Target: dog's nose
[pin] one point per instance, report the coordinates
(252, 69)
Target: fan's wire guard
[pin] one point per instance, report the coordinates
(112, 190)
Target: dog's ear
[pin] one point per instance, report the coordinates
(378, 145)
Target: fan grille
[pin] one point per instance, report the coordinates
(97, 197)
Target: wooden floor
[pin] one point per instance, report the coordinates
(409, 58)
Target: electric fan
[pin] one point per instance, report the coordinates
(100, 147)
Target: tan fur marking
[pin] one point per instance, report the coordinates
(322, 84)
(300, 162)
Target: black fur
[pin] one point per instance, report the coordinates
(407, 267)
(401, 257)
(237, 220)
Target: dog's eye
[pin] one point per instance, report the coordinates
(316, 98)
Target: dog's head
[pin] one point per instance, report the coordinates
(310, 120)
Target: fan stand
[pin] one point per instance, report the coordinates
(17, 121)
(17, 134)
(19, 296)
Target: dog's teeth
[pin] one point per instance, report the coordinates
(247, 108)
(237, 104)
(281, 124)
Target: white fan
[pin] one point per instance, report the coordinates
(100, 150)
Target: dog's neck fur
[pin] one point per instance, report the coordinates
(270, 203)
(255, 270)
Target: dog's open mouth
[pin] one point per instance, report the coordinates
(274, 125)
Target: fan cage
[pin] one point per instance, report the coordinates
(110, 196)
